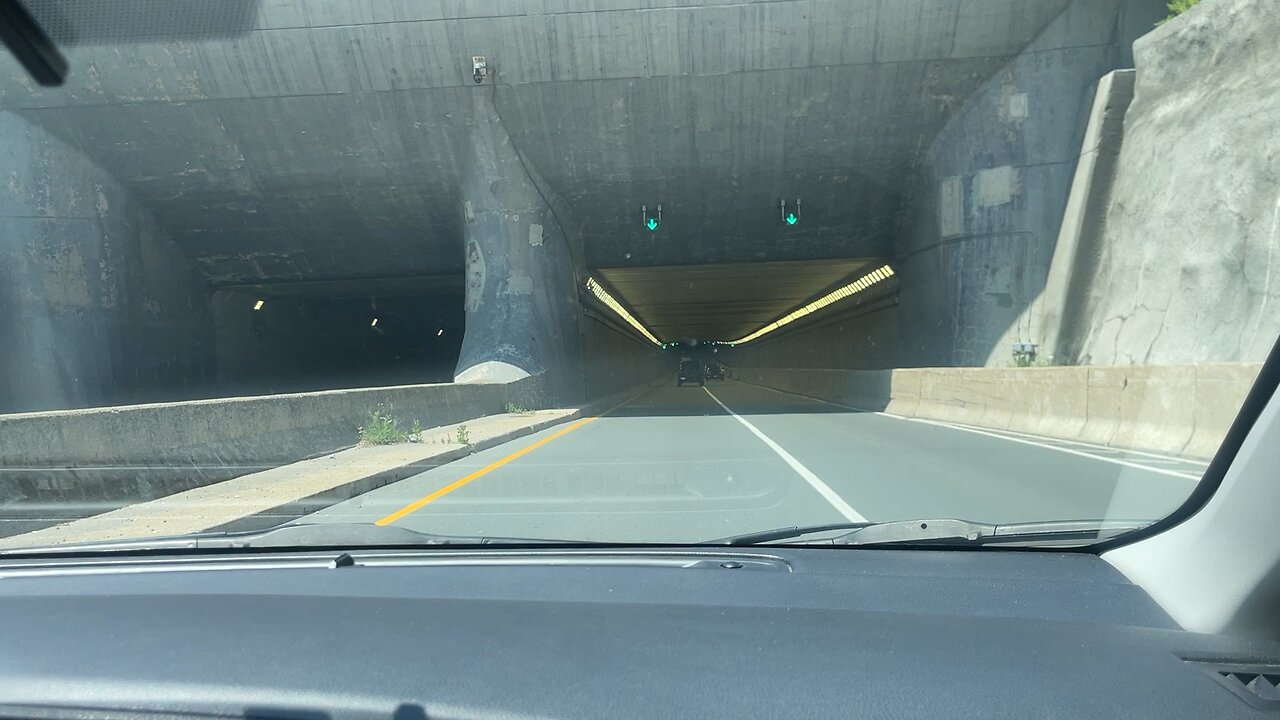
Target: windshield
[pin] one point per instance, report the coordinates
(632, 272)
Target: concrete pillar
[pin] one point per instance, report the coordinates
(521, 295)
(1059, 314)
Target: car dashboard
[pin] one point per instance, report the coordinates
(643, 633)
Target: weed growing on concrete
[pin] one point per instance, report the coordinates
(1176, 8)
(514, 409)
(382, 428)
(464, 435)
(1026, 360)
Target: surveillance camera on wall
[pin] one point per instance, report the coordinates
(479, 69)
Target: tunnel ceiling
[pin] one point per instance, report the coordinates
(324, 143)
(724, 301)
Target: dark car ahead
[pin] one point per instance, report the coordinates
(712, 370)
(690, 372)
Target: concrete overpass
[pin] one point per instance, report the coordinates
(331, 157)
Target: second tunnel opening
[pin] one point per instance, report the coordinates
(299, 337)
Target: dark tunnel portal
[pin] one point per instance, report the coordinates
(300, 343)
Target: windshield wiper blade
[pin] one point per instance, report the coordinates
(944, 531)
(312, 535)
(784, 533)
(949, 531)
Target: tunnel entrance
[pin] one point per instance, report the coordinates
(323, 335)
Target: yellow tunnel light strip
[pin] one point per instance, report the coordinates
(880, 274)
(603, 296)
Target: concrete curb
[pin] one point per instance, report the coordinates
(131, 454)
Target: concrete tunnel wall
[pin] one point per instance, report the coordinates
(991, 183)
(336, 130)
(1173, 209)
(974, 246)
(615, 360)
(134, 322)
(97, 306)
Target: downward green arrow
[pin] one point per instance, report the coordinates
(792, 219)
(652, 224)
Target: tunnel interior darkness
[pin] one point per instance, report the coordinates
(300, 337)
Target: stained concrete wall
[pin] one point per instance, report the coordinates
(96, 305)
(979, 235)
(1189, 266)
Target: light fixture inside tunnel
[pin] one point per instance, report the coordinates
(440, 332)
(880, 274)
(374, 323)
(603, 296)
(258, 305)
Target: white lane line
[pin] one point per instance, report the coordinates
(1148, 456)
(816, 482)
(1046, 446)
(998, 435)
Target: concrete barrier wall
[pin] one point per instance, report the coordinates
(1177, 409)
(103, 457)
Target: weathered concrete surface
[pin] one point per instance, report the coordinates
(1178, 409)
(96, 305)
(521, 293)
(1190, 263)
(329, 140)
(339, 476)
(93, 460)
(975, 247)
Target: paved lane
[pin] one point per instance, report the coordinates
(688, 464)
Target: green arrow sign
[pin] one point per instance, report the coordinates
(652, 224)
(792, 219)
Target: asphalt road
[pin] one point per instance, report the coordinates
(691, 464)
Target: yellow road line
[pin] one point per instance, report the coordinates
(424, 501)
